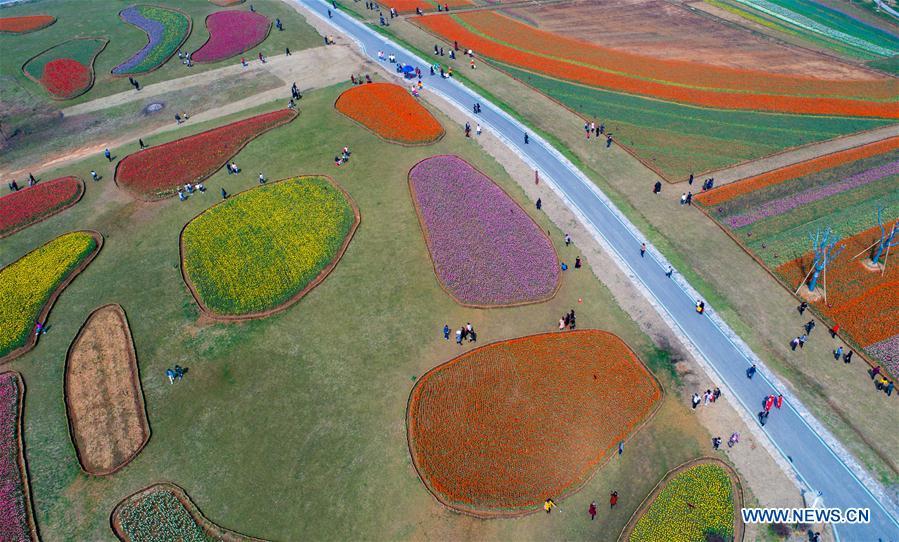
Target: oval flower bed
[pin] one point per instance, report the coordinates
(159, 171)
(390, 112)
(16, 521)
(166, 29)
(162, 513)
(18, 210)
(693, 502)
(499, 429)
(260, 251)
(487, 251)
(232, 33)
(25, 24)
(66, 70)
(29, 286)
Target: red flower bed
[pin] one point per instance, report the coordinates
(391, 112)
(21, 209)
(408, 6)
(28, 23)
(573, 60)
(232, 33)
(499, 429)
(157, 172)
(862, 301)
(64, 77)
(794, 171)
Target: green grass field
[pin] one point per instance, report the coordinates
(680, 139)
(292, 427)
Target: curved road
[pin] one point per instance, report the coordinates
(790, 428)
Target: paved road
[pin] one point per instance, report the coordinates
(814, 461)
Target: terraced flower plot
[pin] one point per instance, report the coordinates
(262, 250)
(16, 521)
(692, 505)
(484, 428)
(66, 70)
(25, 24)
(166, 29)
(772, 215)
(515, 43)
(162, 513)
(390, 112)
(159, 171)
(21, 209)
(29, 286)
(487, 251)
(232, 33)
(676, 139)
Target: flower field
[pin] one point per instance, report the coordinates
(515, 43)
(774, 216)
(15, 508)
(695, 503)
(232, 33)
(484, 428)
(408, 6)
(487, 251)
(27, 285)
(25, 24)
(227, 3)
(677, 139)
(159, 171)
(66, 70)
(390, 112)
(21, 209)
(157, 515)
(166, 30)
(263, 249)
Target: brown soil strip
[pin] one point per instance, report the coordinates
(210, 528)
(424, 234)
(736, 487)
(287, 304)
(55, 212)
(90, 65)
(572, 490)
(190, 28)
(45, 312)
(23, 464)
(103, 395)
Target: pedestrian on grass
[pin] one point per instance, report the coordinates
(224, 194)
(794, 343)
(141, 143)
(838, 353)
(446, 331)
(548, 505)
(716, 442)
(592, 510)
(577, 262)
(847, 357)
(459, 337)
(470, 331)
(613, 499)
(179, 372)
(696, 400)
(567, 240)
(171, 375)
(94, 175)
(539, 204)
(108, 155)
(620, 448)
(261, 178)
(562, 324)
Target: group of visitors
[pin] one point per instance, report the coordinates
(707, 398)
(568, 320)
(733, 440)
(590, 128)
(14, 186)
(686, 198)
(343, 157)
(185, 58)
(175, 373)
(189, 189)
(550, 504)
(464, 333)
(768, 403)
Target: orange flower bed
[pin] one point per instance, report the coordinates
(862, 301)
(628, 72)
(499, 429)
(408, 6)
(794, 171)
(28, 23)
(390, 112)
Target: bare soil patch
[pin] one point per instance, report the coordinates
(672, 31)
(104, 399)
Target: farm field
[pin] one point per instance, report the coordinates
(774, 214)
(316, 394)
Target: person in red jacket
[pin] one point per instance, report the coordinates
(613, 499)
(592, 510)
(769, 402)
(779, 401)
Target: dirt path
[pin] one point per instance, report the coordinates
(777, 161)
(310, 69)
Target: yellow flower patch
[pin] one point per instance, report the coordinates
(262, 248)
(27, 284)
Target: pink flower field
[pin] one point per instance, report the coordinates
(13, 505)
(487, 251)
(232, 33)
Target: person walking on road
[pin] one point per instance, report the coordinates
(750, 372)
(642, 249)
(526, 138)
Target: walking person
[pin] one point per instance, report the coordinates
(592, 510)
(459, 336)
(838, 353)
(802, 307)
(108, 155)
(670, 270)
(446, 331)
(847, 357)
(809, 326)
(613, 499)
(548, 505)
(834, 330)
(470, 331)
(477, 130)
(642, 249)
(763, 417)
(750, 372)
(141, 143)
(526, 138)
(734, 439)
(171, 375)
(794, 343)
(696, 400)
(94, 175)
(567, 240)
(716, 442)
(539, 204)
(779, 401)
(802, 340)
(261, 178)
(620, 448)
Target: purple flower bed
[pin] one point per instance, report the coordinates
(232, 33)
(887, 352)
(782, 205)
(13, 512)
(486, 250)
(166, 30)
